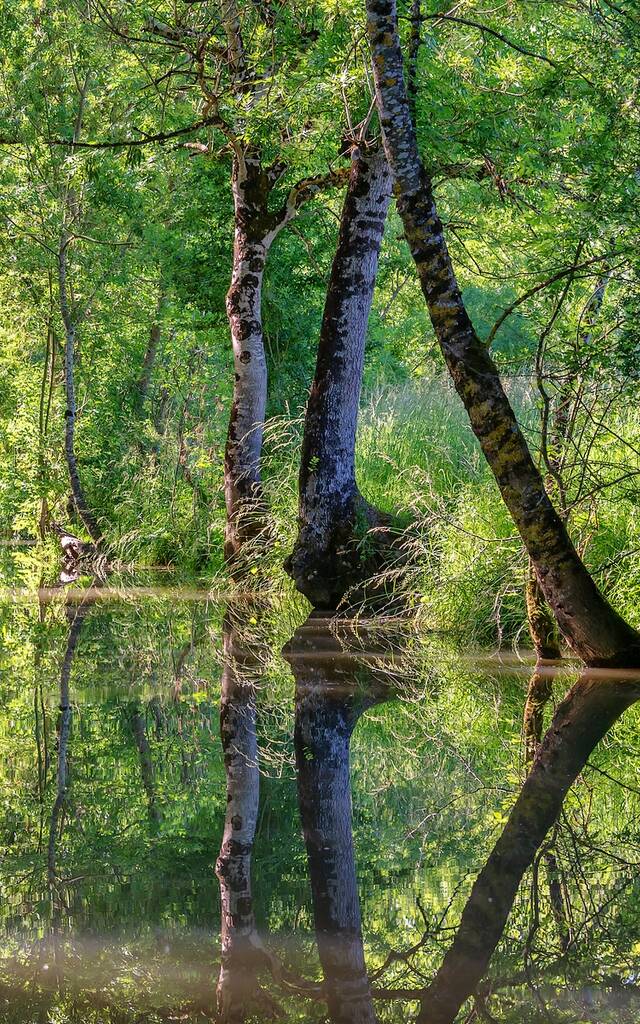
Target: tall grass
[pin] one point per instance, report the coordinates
(463, 566)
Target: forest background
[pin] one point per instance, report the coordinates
(120, 125)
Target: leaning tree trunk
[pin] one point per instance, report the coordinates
(330, 699)
(333, 516)
(595, 631)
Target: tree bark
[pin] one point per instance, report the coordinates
(333, 516)
(595, 631)
(582, 719)
(330, 698)
(243, 489)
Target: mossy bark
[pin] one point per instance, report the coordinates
(594, 630)
(328, 557)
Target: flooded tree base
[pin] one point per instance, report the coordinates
(344, 566)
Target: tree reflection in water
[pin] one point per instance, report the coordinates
(333, 689)
(563, 914)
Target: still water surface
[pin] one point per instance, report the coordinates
(221, 811)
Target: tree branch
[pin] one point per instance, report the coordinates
(491, 32)
(539, 287)
(304, 190)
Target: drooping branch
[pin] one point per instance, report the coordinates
(145, 140)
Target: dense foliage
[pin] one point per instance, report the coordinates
(529, 126)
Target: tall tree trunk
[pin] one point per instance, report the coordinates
(151, 351)
(71, 215)
(70, 415)
(595, 631)
(243, 490)
(329, 702)
(582, 719)
(333, 516)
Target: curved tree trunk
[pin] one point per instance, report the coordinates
(329, 702)
(595, 631)
(333, 516)
(582, 719)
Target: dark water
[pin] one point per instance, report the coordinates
(215, 811)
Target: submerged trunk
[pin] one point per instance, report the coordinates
(539, 694)
(580, 722)
(595, 631)
(151, 351)
(333, 516)
(330, 698)
(75, 616)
